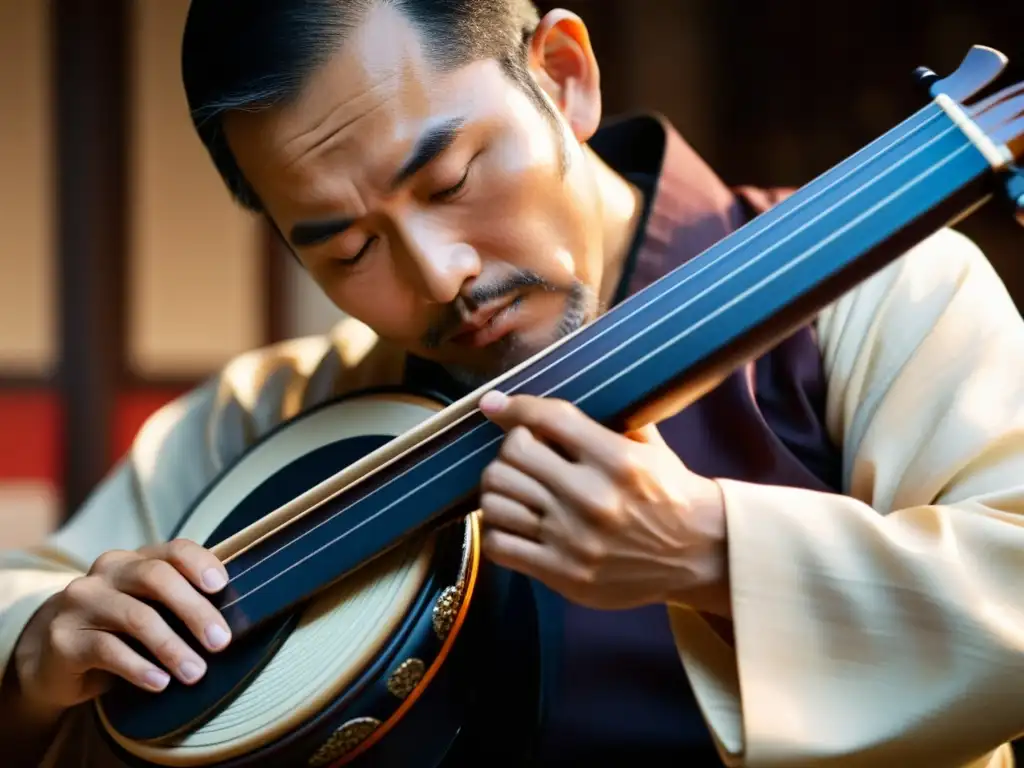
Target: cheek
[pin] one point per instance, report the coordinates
(373, 295)
(534, 220)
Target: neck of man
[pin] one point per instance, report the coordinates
(622, 205)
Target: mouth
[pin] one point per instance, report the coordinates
(488, 324)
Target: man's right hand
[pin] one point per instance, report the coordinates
(70, 650)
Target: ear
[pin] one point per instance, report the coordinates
(563, 62)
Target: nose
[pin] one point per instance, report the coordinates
(439, 263)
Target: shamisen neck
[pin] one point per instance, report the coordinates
(642, 361)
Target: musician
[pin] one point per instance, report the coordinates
(818, 563)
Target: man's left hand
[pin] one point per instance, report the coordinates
(609, 521)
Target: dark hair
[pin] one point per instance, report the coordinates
(253, 54)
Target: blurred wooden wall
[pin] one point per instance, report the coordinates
(127, 275)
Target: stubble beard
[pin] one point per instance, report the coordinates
(581, 306)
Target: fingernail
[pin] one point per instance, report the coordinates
(191, 671)
(216, 636)
(157, 679)
(493, 402)
(213, 579)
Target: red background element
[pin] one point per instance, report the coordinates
(30, 429)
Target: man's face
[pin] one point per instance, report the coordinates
(434, 207)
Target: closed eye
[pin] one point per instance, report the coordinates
(362, 252)
(448, 194)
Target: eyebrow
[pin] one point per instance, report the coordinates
(429, 146)
(308, 233)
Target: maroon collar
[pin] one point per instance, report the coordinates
(689, 209)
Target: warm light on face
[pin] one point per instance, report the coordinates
(565, 259)
(478, 258)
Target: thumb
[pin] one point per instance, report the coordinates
(497, 406)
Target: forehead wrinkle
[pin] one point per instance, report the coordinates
(385, 51)
(372, 149)
(342, 115)
(333, 140)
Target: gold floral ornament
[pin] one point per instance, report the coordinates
(405, 679)
(446, 609)
(344, 740)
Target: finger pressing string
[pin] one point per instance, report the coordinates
(511, 516)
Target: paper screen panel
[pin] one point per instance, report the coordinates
(195, 293)
(27, 280)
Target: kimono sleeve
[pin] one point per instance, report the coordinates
(885, 625)
(180, 450)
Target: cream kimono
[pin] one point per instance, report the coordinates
(880, 628)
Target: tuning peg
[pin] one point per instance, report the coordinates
(925, 80)
(979, 67)
(1014, 188)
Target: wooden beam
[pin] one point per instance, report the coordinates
(90, 71)
(275, 322)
